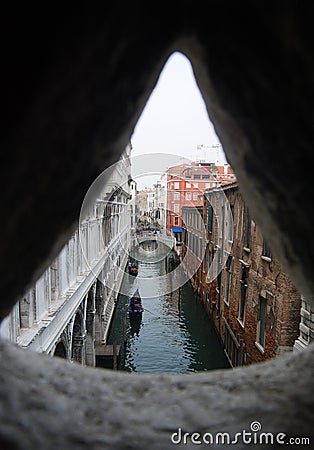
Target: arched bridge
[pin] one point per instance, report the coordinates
(162, 237)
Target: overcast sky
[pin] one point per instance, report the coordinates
(175, 119)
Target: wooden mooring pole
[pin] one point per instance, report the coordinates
(114, 350)
(124, 331)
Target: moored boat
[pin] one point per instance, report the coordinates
(135, 305)
(133, 269)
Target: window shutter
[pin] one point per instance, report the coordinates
(210, 219)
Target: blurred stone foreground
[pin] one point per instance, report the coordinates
(49, 403)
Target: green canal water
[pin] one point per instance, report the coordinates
(175, 334)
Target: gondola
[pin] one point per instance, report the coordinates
(133, 269)
(135, 306)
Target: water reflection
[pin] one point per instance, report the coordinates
(174, 335)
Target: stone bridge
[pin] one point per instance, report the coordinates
(165, 238)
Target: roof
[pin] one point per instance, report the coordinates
(224, 187)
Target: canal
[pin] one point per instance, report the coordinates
(175, 334)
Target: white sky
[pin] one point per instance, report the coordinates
(175, 119)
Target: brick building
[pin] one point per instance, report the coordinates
(185, 186)
(252, 302)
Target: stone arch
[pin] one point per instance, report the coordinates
(63, 345)
(60, 350)
(24, 312)
(255, 69)
(78, 338)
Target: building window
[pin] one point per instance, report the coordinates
(177, 185)
(176, 220)
(228, 279)
(222, 223)
(176, 208)
(188, 196)
(207, 185)
(208, 260)
(243, 289)
(247, 241)
(210, 219)
(219, 268)
(187, 185)
(261, 324)
(231, 223)
(195, 196)
(176, 196)
(205, 259)
(199, 248)
(185, 237)
(195, 185)
(195, 246)
(266, 249)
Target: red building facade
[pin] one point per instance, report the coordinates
(186, 184)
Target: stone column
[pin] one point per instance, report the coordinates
(90, 329)
(78, 349)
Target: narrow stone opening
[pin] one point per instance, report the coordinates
(66, 402)
(185, 202)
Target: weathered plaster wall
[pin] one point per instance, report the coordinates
(73, 85)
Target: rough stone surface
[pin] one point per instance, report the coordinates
(73, 85)
(52, 404)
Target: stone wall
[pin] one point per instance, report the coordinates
(306, 326)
